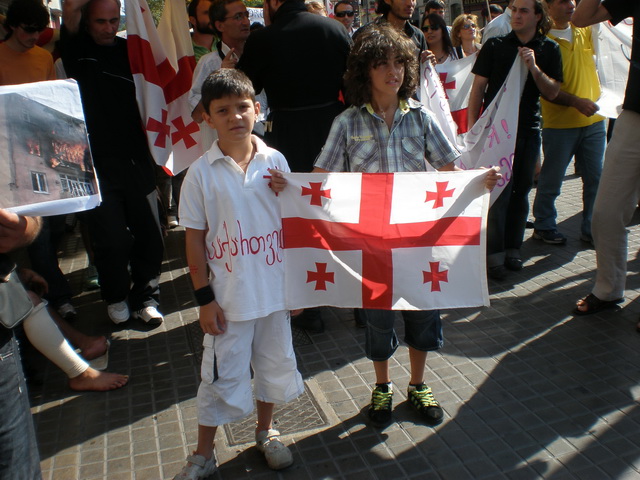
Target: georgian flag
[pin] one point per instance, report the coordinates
(393, 241)
(162, 65)
(456, 78)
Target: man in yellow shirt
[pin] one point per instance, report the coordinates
(570, 126)
(21, 60)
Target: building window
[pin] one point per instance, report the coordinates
(39, 182)
(75, 186)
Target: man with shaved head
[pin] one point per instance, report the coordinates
(125, 232)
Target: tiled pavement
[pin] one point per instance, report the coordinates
(529, 390)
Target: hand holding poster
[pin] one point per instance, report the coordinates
(47, 167)
(403, 241)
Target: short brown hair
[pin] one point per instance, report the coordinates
(226, 82)
(372, 45)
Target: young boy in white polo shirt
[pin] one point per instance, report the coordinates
(233, 245)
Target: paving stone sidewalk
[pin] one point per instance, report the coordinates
(529, 390)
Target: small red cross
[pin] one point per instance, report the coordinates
(183, 132)
(320, 276)
(447, 86)
(435, 276)
(316, 193)
(161, 128)
(440, 194)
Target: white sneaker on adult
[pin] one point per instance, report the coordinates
(197, 467)
(278, 455)
(67, 311)
(149, 315)
(118, 312)
(172, 221)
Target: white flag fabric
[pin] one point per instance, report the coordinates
(612, 45)
(162, 65)
(393, 241)
(492, 139)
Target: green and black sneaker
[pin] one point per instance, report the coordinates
(380, 409)
(422, 400)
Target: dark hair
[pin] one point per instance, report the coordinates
(382, 8)
(545, 23)
(226, 82)
(343, 2)
(26, 12)
(435, 19)
(218, 12)
(192, 8)
(433, 4)
(493, 8)
(372, 45)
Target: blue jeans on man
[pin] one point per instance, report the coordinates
(19, 457)
(559, 146)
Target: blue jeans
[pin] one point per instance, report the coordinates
(507, 217)
(422, 331)
(19, 458)
(559, 146)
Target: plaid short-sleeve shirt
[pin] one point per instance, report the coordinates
(360, 141)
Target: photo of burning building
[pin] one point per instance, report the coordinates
(44, 152)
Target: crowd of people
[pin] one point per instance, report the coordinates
(335, 98)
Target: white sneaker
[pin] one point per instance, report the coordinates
(118, 312)
(172, 221)
(67, 311)
(149, 315)
(278, 456)
(197, 467)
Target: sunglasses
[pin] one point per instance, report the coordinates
(426, 28)
(31, 29)
(469, 26)
(238, 16)
(345, 14)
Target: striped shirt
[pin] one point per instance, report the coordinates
(360, 141)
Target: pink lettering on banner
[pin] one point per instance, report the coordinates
(505, 165)
(230, 247)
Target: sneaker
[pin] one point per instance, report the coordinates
(118, 312)
(149, 315)
(172, 221)
(91, 283)
(422, 400)
(197, 467)
(513, 263)
(379, 412)
(67, 312)
(585, 237)
(276, 453)
(553, 237)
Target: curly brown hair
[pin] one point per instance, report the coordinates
(374, 44)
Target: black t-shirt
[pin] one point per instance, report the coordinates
(495, 60)
(118, 142)
(299, 59)
(619, 10)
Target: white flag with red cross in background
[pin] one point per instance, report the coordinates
(162, 65)
(393, 241)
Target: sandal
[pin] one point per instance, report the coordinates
(594, 305)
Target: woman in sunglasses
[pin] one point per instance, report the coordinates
(465, 34)
(438, 40)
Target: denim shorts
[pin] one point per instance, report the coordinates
(422, 331)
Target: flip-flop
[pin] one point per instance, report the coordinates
(595, 305)
(99, 363)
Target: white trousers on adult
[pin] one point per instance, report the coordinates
(615, 204)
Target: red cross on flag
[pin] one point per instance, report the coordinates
(403, 241)
(162, 64)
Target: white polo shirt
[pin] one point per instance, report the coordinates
(244, 231)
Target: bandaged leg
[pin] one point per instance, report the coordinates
(45, 336)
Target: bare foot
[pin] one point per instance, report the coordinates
(93, 347)
(95, 381)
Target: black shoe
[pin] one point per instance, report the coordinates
(379, 412)
(309, 320)
(552, 237)
(499, 272)
(422, 400)
(513, 263)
